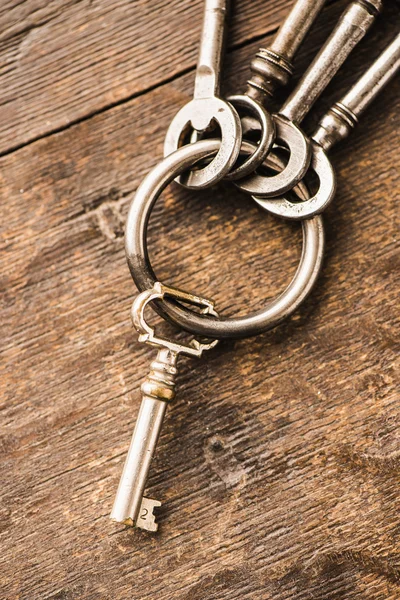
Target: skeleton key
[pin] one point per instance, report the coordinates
(130, 506)
(206, 108)
(340, 119)
(272, 67)
(351, 28)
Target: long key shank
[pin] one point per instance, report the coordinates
(343, 116)
(352, 27)
(272, 67)
(208, 71)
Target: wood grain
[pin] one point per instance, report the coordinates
(278, 466)
(63, 61)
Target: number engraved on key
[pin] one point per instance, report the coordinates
(147, 518)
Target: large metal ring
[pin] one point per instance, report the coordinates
(274, 311)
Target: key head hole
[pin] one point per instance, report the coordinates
(282, 153)
(313, 183)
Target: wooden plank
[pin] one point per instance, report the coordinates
(63, 61)
(278, 463)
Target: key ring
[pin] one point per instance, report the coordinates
(275, 310)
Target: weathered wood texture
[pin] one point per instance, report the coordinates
(62, 61)
(278, 466)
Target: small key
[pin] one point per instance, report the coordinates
(130, 506)
(351, 28)
(336, 125)
(206, 108)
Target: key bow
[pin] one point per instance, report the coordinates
(147, 333)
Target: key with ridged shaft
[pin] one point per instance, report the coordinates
(207, 108)
(131, 507)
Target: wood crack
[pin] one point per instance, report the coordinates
(110, 106)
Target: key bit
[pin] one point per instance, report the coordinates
(340, 119)
(146, 518)
(158, 389)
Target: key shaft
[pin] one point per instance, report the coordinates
(208, 72)
(343, 116)
(157, 391)
(272, 66)
(296, 26)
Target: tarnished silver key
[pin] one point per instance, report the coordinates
(351, 28)
(272, 67)
(207, 108)
(130, 506)
(340, 119)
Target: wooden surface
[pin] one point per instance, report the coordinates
(278, 466)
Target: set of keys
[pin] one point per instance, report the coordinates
(196, 160)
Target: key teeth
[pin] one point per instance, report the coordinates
(147, 519)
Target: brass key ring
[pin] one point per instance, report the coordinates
(274, 311)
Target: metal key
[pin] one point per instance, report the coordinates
(207, 108)
(351, 28)
(130, 506)
(340, 119)
(272, 67)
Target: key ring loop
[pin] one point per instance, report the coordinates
(275, 310)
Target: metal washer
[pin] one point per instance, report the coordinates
(275, 311)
